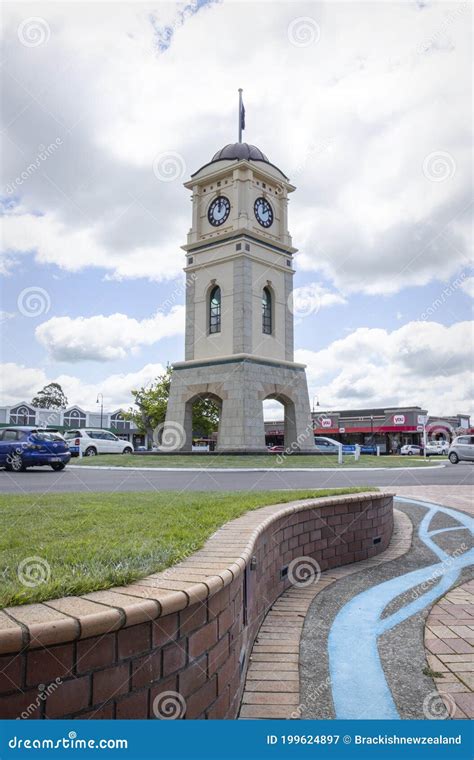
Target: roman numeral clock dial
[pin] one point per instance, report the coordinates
(263, 212)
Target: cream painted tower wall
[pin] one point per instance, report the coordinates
(240, 365)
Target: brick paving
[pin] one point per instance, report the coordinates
(449, 643)
(456, 497)
(272, 688)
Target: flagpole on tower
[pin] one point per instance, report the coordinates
(241, 118)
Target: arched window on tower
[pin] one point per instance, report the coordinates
(215, 310)
(267, 327)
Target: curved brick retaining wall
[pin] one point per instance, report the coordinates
(177, 643)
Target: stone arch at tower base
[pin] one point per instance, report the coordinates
(240, 384)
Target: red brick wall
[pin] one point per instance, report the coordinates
(191, 663)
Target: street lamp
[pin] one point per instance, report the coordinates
(371, 429)
(101, 407)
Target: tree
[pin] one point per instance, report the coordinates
(51, 397)
(152, 402)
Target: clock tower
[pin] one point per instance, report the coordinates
(239, 320)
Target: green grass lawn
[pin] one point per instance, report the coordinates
(206, 461)
(91, 541)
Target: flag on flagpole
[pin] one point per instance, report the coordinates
(241, 115)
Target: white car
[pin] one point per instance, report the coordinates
(462, 449)
(437, 448)
(409, 449)
(89, 442)
(325, 445)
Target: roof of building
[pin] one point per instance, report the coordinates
(240, 152)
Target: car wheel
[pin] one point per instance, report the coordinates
(453, 458)
(58, 466)
(128, 450)
(410, 453)
(15, 463)
(90, 452)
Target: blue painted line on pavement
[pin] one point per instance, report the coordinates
(359, 687)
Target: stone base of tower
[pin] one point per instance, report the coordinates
(238, 385)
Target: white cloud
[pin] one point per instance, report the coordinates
(421, 363)
(468, 286)
(103, 339)
(309, 299)
(22, 383)
(6, 315)
(378, 85)
(75, 249)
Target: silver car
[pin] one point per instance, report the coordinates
(462, 449)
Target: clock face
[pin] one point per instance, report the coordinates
(263, 212)
(218, 211)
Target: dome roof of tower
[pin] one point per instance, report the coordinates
(241, 151)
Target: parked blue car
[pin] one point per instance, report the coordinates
(22, 447)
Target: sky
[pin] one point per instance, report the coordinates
(366, 106)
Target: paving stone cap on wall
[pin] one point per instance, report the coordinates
(200, 576)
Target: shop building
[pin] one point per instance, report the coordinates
(389, 428)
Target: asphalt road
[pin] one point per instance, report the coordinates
(82, 480)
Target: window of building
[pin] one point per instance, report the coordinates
(215, 310)
(22, 415)
(118, 422)
(74, 418)
(267, 311)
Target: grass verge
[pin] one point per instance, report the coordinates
(267, 461)
(56, 545)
